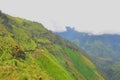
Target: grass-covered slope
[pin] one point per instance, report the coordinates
(28, 51)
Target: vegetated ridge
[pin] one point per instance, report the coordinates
(28, 51)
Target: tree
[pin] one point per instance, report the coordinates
(18, 53)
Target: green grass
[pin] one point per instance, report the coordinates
(82, 67)
(47, 62)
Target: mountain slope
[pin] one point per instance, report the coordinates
(28, 51)
(102, 49)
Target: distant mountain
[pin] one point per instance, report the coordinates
(28, 51)
(104, 50)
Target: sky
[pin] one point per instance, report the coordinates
(94, 16)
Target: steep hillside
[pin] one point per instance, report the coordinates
(28, 51)
(104, 50)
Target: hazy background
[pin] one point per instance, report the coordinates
(95, 16)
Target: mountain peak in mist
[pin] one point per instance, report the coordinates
(68, 28)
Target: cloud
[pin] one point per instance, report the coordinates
(95, 16)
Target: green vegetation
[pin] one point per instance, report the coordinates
(85, 69)
(28, 51)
